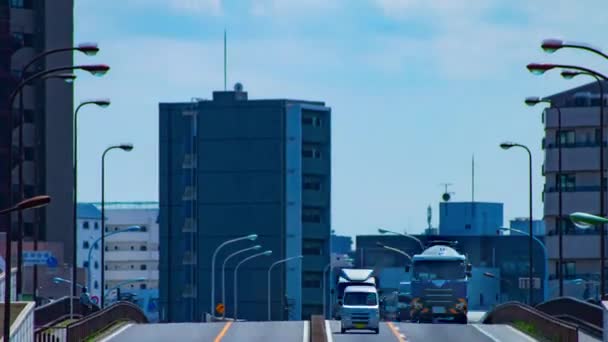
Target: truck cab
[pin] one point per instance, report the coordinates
(360, 309)
(351, 277)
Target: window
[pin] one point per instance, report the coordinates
(311, 280)
(132, 248)
(96, 246)
(143, 248)
(115, 248)
(566, 181)
(311, 151)
(467, 226)
(566, 137)
(96, 265)
(312, 246)
(25, 4)
(569, 269)
(85, 244)
(132, 267)
(311, 120)
(143, 228)
(311, 215)
(142, 286)
(188, 194)
(96, 225)
(85, 264)
(85, 224)
(106, 267)
(28, 153)
(312, 183)
(96, 284)
(23, 39)
(143, 267)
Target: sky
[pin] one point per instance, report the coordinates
(416, 87)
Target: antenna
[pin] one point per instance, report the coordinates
(446, 195)
(429, 216)
(225, 60)
(473, 179)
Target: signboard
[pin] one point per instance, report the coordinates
(36, 257)
(95, 299)
(220, 308)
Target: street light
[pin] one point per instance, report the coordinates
(251, 237)
(532, 101)
(127, 148)
(29, 203)
(386, 231)
(236, 270)
(135, 280)
(254, 248)
(58, 280)
(393, 249)
(103, 235)
(269, 283)
(551, 45)
(506, 146)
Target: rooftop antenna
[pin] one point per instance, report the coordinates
(225, 60)
(429, 216)
(473, 179)
(447, 194)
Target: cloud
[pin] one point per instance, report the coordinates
(211, 7)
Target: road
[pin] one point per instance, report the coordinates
(297, 331)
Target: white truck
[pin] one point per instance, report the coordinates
(360, 309)
(351, 277)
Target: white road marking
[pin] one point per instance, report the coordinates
(305, 334)
(526, 337)
(116, 333)
(328, 333)
(494, 339)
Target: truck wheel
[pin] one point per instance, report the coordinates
(377, 331)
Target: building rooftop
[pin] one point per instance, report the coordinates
(127, 205)
(87, 211)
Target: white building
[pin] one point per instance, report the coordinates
(132, 256)
(89, 254)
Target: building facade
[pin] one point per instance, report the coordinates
(470, 218)
(131, 258)
(523, 224)
(231, 167)
(579, 182)
(28, 27)
(89, 246)
(341, 244)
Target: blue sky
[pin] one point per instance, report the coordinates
(416, 88)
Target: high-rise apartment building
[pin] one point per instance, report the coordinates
(230, 167)
(579, 181)
(28, 27)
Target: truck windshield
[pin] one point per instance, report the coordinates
(360, 298)
(438, 269)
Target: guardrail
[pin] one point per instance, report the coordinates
(588, 317)
(56, 311)
(549, 327)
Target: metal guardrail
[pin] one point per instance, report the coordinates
(56, 311)
(549, 327)
(587, 316)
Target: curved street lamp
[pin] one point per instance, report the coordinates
(251, 237)
(393, 249)
(236, 271)
(135, 280)
(506, 146)
(269, 283)
(551, 45)
(386, 231)
(254, 248)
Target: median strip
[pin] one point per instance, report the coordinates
(395, 330)
(222, 333)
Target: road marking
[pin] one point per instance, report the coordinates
(219, 336)
(328, 333)
(116, 333)
(525, 336)
(395, 330)
(487, 334)
(305, 334)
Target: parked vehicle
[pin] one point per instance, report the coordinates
(360, 309)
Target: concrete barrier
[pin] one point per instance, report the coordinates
(317, 329)
(588, 317)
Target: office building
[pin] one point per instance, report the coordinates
(523, 224)
(27, 28)
(131, 258)
(230, 167)
(89, 246)
(470, 218)
(341, 244)
(579, 180)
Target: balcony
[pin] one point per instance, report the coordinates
(314, 262)
(585, 199)
(132, 255)
(127, 237)
(314, 134)
(574, 246)
(315, 198)
(315, 231)
(315, 166)
(583, 158)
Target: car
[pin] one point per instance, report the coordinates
(360, 309)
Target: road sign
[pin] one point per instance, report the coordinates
(95, 299)
(220, 308)
(51, 261)
(36, 257)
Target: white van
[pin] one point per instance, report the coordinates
(360, 309)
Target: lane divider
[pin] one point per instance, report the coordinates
(223, 332)
(395, 330)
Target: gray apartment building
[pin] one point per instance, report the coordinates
(230, 167)
(580, 184)
(28, 27)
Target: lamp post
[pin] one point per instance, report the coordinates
(89, 49)
(89, 282)
(236, 271)
(386, 231)
(254, 248)
(506, 146)
(269, 283)
(135, 280)
(584, 221)
(251, 237)
(396, 250)
(58, 280)
(532, 101)
(544, 248)
(551, 45)
(126, 148)
(30, 203)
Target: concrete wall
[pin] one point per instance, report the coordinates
(470, 218)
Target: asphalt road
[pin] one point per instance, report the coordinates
(412, 332)
(266, 332)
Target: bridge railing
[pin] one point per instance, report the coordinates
(547, 326)
(587, 316)
(56, 311)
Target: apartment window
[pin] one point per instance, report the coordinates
(85, 264)
(311, 120)
(25, 4)
(132, 248)
(115, 248)
(96, 246)
(566, 181)
(142, 286)
(106, 267)
(311, 151)
(143, 228)
(28, 153)
(96, 225)
(312, 246)
(143, 248)
(598, 136)
(188, 194)
(24, 39)
(467, 226)
(143, 267)
(85, 244)
(566, 137)
(85, 225)
(189, 226)
(312, 183)
(96, 265)
(311, 215)
(189, 161)
(96, 284)
(569, 269)
(132, 267)
(311, 280)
